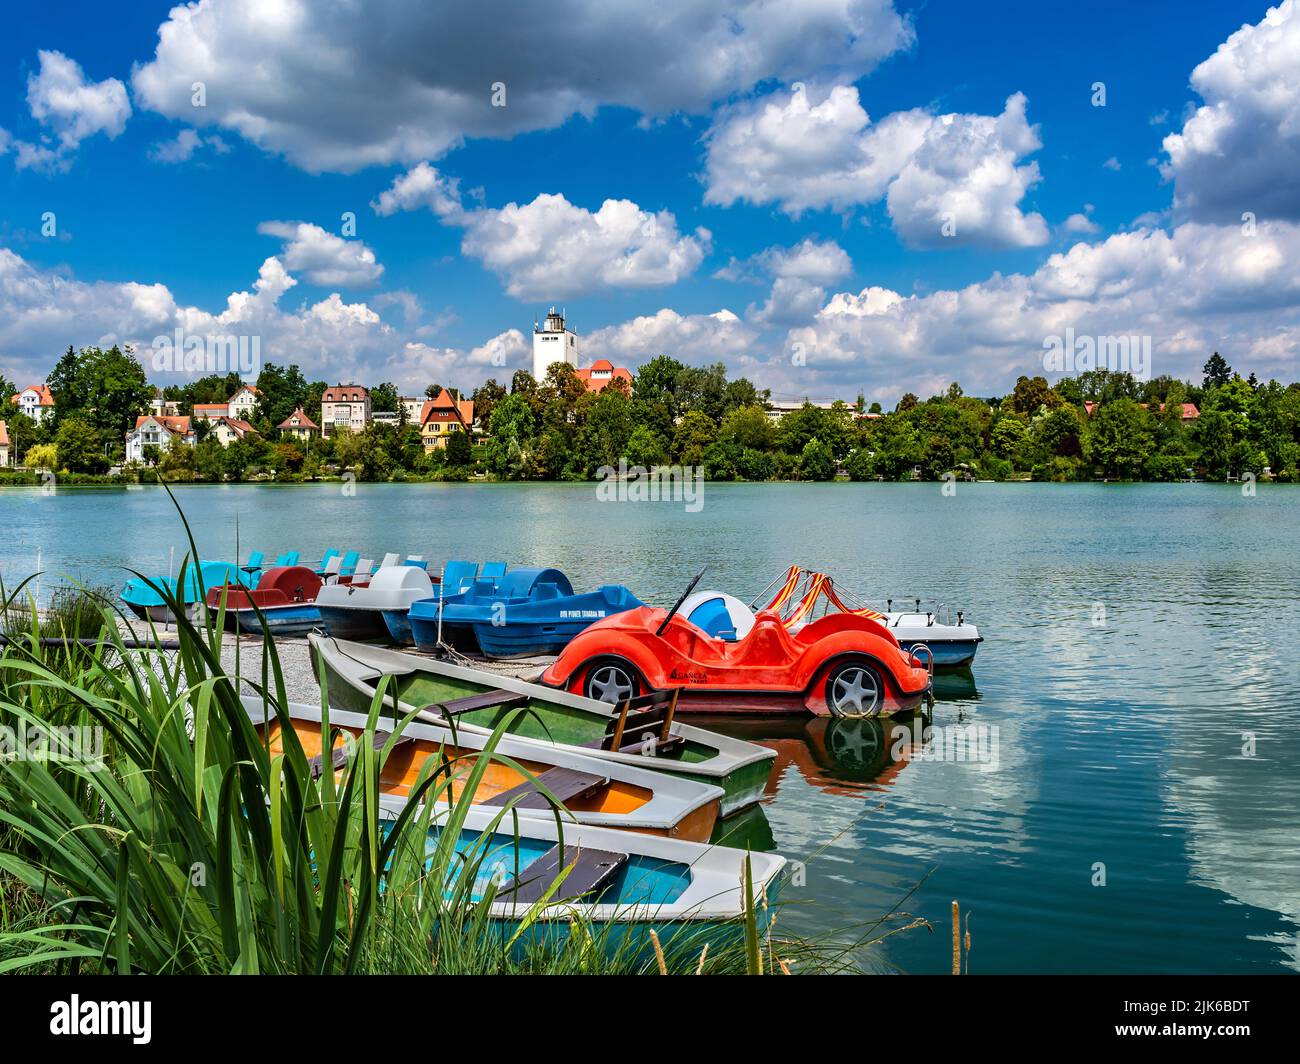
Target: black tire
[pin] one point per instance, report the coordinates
(611, 680)
(855, 688)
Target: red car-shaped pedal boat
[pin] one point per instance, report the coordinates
(840, 665)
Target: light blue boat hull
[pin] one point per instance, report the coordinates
(948, 653)
(280, 620)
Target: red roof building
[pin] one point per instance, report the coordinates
(299, 425)
(441, 416)
(35, 401)
(600, 373)
(1190, 412)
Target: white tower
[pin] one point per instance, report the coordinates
(553, 342)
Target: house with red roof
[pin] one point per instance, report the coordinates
(243, 403)
(35, 401)
(1190, 411)
(601, 373)
(210, 411)
(345, 406)
(443, 415)
(226, 430)
(157, 430)
(5, 458)
(299, 425)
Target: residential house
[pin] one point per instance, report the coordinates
(441, 416)
(299, 426)
(1190, 411)
(36, 402)
(211, 411)
(164, 407)
(344, 406)
(5, 457)
(226, 430)
(157, 430)
(243, 403)
(598, 376)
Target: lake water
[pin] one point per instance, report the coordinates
(1139, 668)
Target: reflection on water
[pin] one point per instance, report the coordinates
(1138, 667)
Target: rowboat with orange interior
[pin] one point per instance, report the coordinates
(523, 775)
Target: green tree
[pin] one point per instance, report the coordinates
(459, 451)
(511, 434)
(1119, 439)
(694, 436)
(1216, 371)
(79, 448)
(816, 461)
(383, 397)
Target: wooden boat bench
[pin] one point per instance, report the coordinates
(317, 763)
(483, 700)
(648, 713)
(592, 871)
(566, 784)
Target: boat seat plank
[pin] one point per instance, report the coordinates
(317, 763)
(483, 700)
(566, 784)
(592, 870)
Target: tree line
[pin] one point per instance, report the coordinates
(1100, 424)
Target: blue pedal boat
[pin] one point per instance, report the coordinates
(419, 624)
(145, 602)
(530, 612)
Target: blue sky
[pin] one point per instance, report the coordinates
(752, 226)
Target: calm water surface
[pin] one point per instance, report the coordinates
(1137, 639)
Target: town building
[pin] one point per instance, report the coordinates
(36, 401)
(164, 407)
(345, 406)
(157, 430)
(210, 411)
(553, 342)
(243, 403)
(226, 430)
(441, 416)
(601, 373)
(299, 425)
(1190, 411)
(5, 457)
(778, 408)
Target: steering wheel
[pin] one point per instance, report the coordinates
(678, 604)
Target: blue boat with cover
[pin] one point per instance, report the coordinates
(457, 577)
(528, 612)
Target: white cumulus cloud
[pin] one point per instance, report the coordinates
(953, 178)
(1240, 150)
(550, 248)
(324, 258)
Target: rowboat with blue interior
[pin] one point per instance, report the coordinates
(622, 884)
